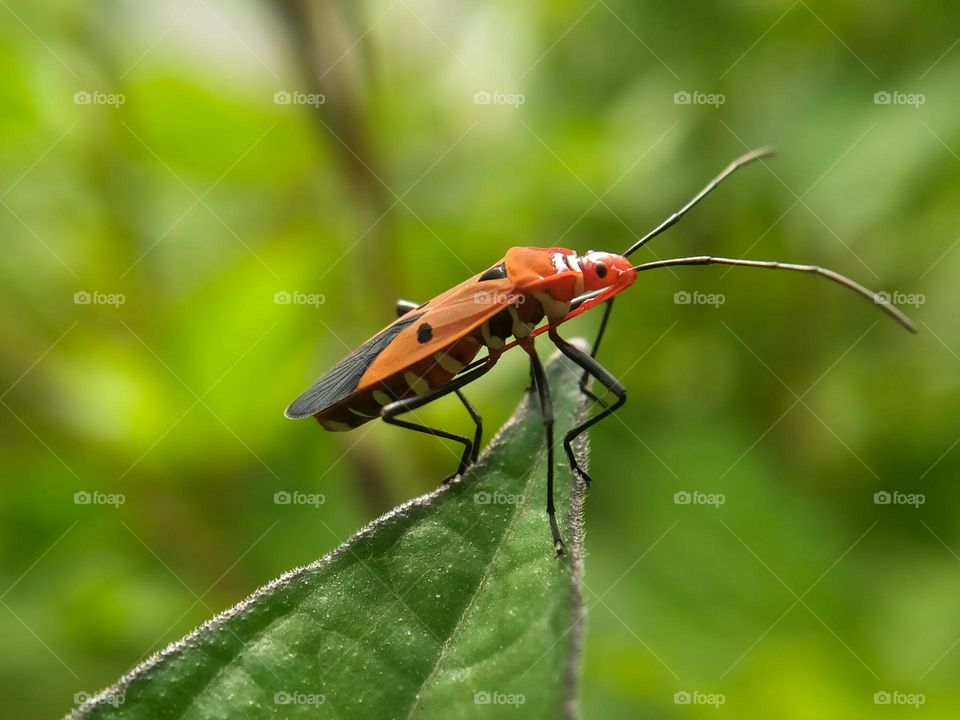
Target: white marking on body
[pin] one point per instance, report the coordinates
(361, 414)
(491, 341)
(416, 383)
(448, 363)
(559, 262)
(335, 426)
(552, 307)
(520, 328)
(573, 263)
(381, 398)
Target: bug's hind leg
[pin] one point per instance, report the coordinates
(467, 444)
(389, 415)
(478, 423)
(595, 369)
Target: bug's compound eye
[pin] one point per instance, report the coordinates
(601, 270)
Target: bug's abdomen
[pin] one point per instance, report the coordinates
(430, 373)
(435, 371)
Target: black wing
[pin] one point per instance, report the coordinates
(345, 375)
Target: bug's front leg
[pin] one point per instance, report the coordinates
(585, 378)
(605, 377)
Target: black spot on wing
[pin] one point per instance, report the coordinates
(345, 376)
(497, 272)
(424, 333)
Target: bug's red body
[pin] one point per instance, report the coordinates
(426, 348)
(429, 351)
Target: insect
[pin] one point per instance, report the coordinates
(430, 350)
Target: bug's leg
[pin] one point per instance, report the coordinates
(405, 306)
(533, 379)
(607, 309)
(389, 414)
(467, 445)
(546, 406)
(585, 378)
(478, 421)
(592, 367)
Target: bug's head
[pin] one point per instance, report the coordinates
(602, 270)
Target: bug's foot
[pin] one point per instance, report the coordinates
(461, 471)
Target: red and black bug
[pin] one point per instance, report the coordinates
(430, 350)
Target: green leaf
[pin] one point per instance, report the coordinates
(448, 606)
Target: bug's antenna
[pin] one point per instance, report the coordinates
(880, 299)
(710, 186)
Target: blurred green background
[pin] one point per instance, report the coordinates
(146, 160)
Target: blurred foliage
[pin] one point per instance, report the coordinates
(200, 197)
